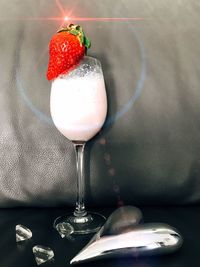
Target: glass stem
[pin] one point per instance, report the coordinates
(80, 206)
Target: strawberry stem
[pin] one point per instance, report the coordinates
(77, 30)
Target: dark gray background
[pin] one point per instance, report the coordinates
(148, 151)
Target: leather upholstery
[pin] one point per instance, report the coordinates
(148, 151)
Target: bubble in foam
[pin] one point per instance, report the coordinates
(87, 67)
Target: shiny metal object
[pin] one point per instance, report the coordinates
(129, 239)
(120, 220)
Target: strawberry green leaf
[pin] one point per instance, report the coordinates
(87, 42)
(74, 32)
(82, 38)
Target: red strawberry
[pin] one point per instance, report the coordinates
(67, 47)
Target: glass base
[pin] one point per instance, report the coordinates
(90, 223)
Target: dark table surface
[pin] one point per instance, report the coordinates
(186, 219)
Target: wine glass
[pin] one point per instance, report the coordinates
(78, 105)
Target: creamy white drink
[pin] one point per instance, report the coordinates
(78, 101)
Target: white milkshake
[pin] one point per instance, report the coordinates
(78, 101)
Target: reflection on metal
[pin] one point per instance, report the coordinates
(122, 236)
(120, 220)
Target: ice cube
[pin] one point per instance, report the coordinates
(64, 229)
(22, 233)
(42, 254)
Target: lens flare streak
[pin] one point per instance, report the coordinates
(103, 19)
(66, 18)
(58, 3)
